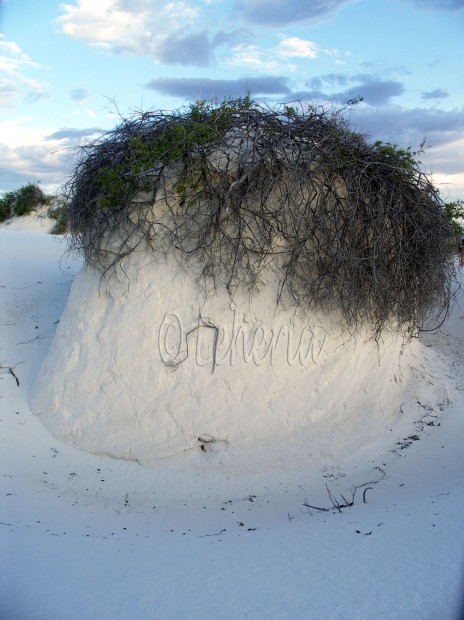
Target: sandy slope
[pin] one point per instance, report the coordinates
(87, 536)
(276, 388)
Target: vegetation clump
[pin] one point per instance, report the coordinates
(22, 201)
(242, 189)
(455, 211)
(59, 213)
(6, 206)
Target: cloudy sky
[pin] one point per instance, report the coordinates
(69, 71)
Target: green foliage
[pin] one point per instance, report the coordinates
(405, 160)
(203, 124)
(110, 181)
(289, 111)
(6, 205)
(22, 201)
(59, 214)
(455, 212)
(29, 197)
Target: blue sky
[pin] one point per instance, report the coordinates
(68, 70)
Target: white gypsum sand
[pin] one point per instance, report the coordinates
(149, 366)
(87, 536)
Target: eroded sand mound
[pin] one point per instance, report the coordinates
(150, 367)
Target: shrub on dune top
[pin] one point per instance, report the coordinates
(58, 212)
(6, 205)
(344, 224)
(22, 201)
(29, 197)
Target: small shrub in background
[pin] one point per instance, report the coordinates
(6, 205)
(29, 197)
(455, 211)
(59, 214)
(22, 201)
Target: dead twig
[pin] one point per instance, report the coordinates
(339, 505)
(10, 370)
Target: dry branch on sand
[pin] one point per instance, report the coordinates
(243, 190)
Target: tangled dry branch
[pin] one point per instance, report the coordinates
(244, 190)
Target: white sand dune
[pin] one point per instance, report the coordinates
(226, 531)
(146, 368)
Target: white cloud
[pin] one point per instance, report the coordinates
(181, 13)
(451, 186)
(12, 58)
(448, 156)
(14, 83)
(123, 27)
(27, 155)
(103, 23)
(276, 59)
(9, 46)
(290, 47)
(33, 163)
(19, 131)
(250, 57)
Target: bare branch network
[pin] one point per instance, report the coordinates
(245, 191)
